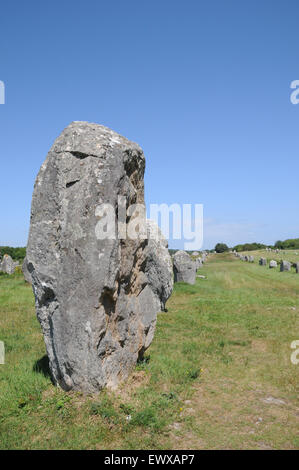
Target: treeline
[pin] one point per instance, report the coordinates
(17, 254)
(291, 243)
(250, 247)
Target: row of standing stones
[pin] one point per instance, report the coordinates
(284, 265)
(97, 300)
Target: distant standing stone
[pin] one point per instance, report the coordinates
(158, 267)
(273, 264)
(198, 263)
(297, 268)
(251, 259)
(195, 253)
(8, 265)
(263, 262)
(184, 268)
(285, 266)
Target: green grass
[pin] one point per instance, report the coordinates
(219, 353)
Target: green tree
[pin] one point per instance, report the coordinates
(221, 248)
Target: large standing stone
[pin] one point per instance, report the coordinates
(184, 268)
(263, 262)
(8, 265)
(273, 264)
(285, 266)
(96, 299)
(251, 259)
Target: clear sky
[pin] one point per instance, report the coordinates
(202, 86)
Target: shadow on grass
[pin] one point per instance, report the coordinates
(41, 366)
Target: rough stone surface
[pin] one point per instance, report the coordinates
(263, 262)
(26, 272)
(251, 259)
(184, 268)
(195, 253)
(297, 268)
(285, 266)
(8, 265)
(96, 299)
(273, 264)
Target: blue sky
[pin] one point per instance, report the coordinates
(202, 86)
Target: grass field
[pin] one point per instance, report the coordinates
(218, 374)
